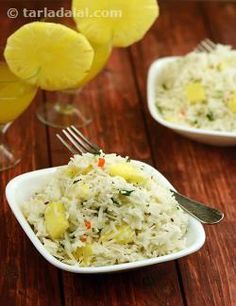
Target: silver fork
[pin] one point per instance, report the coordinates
(76, 143)
(206, 45)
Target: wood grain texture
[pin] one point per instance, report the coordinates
(26, 278)
(202, 172)
(121, 124)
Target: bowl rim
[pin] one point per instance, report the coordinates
(152, 78)
(10, 195)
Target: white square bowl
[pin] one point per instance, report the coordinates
(204, 136)
(21, 188)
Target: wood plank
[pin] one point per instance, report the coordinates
(221, 21)
(220, 187)
(26, 278)
(118, 126)
(202, 172)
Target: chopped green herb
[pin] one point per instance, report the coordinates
(76, 181)
(160, 109)
(218, 93)
(195, 123)
(97, 153)
(164, 86)
(210, 116)
(128, 159)
(126, 193)
(115, 202)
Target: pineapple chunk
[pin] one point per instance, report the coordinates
(222, 66)
(195, 92)
(124, 235)
(83, 191)
(84, 254)
(55, 220)
(232, 103)
(170, 119)
(73, 171)
(128, 172)
(86, 170)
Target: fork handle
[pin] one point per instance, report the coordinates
(199, 211)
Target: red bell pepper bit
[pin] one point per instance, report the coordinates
(101, 162)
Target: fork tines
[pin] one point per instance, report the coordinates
(76, 142)
(206, 45)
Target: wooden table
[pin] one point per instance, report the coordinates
(122, 124)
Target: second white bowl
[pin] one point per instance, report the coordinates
(200, 135)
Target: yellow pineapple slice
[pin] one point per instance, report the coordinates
(15, 95)
(55, 220)
(59, 56)
(102, 53)
(121, 22)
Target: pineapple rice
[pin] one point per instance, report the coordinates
(105, 210)
(199, 90)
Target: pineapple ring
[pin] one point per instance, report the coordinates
(59, 56)
(15, 95)
(128, 21)
(101, 55)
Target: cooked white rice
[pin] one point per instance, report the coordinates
(148, 212)
(216, 72)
